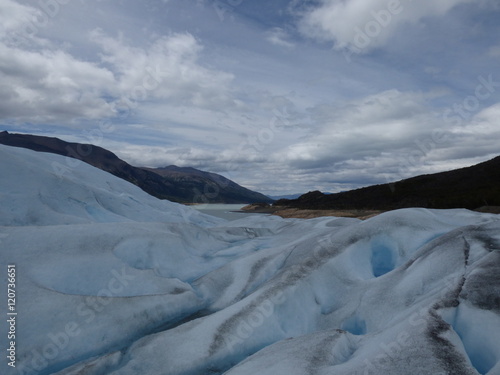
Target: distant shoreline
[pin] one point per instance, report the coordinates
(303, 213)
(300, 213)
(311, 214)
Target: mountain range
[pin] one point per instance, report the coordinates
(471, 187)
(177, 184)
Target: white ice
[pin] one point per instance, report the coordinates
(113, 281)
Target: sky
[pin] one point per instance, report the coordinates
(283, 96)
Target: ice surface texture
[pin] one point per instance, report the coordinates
(113, 281)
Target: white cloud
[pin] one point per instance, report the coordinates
(278, 36)
(363, 128)
(15, 18)
(43, 83)
(51, 86)
(361, 25)
(168, 69)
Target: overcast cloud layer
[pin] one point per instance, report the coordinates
(282, 96)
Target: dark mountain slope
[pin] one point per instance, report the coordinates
(208, 185)
(193, 187)
(470, 187)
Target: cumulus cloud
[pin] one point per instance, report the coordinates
(362, 25)
(167, 69)
(44, 83)
(51, 86)
(41, 83)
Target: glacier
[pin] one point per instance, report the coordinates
(113, 281)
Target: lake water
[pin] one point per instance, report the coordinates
(225, 211)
